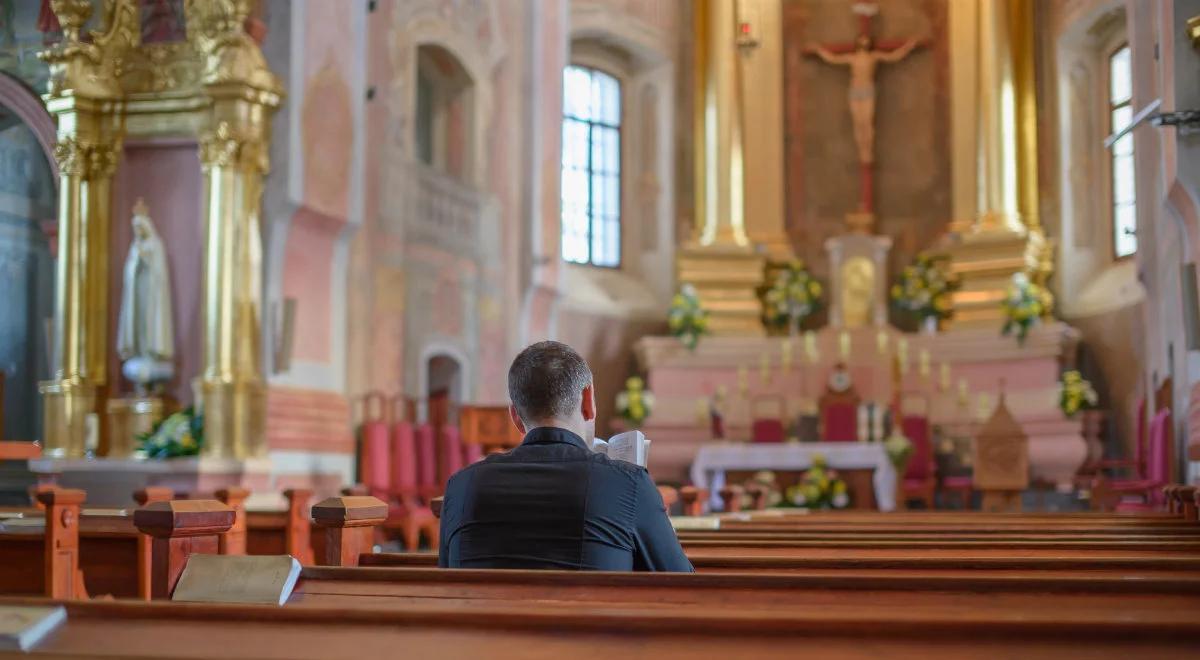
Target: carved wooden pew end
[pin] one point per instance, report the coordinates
(179, 529)
(63, 577)
(349, 523)
(693, 500)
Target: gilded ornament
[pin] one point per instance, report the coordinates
(71, 156)
(102, 159)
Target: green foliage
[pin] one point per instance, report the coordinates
(180, 434)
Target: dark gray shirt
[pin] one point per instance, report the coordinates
(553, 503)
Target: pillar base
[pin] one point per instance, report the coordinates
(129, 418)
(727, 278)
(234, 418)
(68, 418)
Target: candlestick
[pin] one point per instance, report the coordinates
(743, 384)
(785, 355)
(810, 346)
(881, 342)
(923, 362)
(764, 368)
(844, 345)
(963, 392)
(902, 354)
(945, 377)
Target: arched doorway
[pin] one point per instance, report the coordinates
(27, 206)
(444, 389)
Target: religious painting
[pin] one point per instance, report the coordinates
(866, 107)
(162, 21)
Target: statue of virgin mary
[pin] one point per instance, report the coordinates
(145, 336)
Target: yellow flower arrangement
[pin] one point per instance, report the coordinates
(819, 488)
(1076, 393)
(793, 296)
(1025, 306)
(686, 319)
(635, 402)
(926, 288)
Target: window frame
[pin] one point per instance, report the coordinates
(620, 174)
(1116, 45)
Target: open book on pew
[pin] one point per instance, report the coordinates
(21, 628)
(259, 579)
(630, 446)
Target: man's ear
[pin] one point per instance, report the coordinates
(588, 405)
(516, 419)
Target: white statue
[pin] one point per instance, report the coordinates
(145, 336)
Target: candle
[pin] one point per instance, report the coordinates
(810, 346)
(985, 405)
(844, 345)
(963, 392)
(743, 381)
(764, 368)
(902, 354)
(945, 377)
(923, 362)
(785, 355)
(881, 342)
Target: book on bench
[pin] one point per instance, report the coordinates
(259, 579)
(21, 628)
(630, 446)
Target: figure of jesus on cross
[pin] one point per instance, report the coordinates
(863, 57)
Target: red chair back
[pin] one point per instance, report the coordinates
(1139, 442)
(840, 422)
(374, 460)
(916, 429)
(472, 452)
(404, 461)
(767, 430)
(426, 461)
(1157, 459)
(451, 453)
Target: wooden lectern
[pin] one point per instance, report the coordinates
(1001, 461)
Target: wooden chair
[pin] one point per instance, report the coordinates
(489, 427)
(768, 413)
(919, 481)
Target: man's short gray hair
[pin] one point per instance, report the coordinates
(546, 381)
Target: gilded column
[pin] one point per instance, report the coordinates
(723, 265)
(85, 98)
(995, 142)
(233, 154)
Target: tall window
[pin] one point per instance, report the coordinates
(1124, 197)
(591, 167)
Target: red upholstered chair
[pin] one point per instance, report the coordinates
(427, 484)
(839, 416)
(1135, 464)
(920, 481)
(374, 460)
(450, 456)
(767, 430)
(406, 513)
(1145, 491)
(472, 452)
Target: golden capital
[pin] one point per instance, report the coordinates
(225, 146)
(102, 160)
(72, 157)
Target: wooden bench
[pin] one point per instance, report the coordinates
(165, 630)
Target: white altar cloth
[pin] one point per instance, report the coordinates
(714, 459)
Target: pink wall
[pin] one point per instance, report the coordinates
(308, 277)
(166, 172)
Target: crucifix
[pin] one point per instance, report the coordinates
(863, 57)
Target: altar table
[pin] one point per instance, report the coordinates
(715, 459)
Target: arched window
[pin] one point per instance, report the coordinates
(591, 167)
(1120, 110)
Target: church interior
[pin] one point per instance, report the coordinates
(902, 295)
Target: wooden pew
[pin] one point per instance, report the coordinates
(166, 630)
(45, 559)
(286, 532)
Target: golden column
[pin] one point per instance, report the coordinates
(722, 264)
(233, 154)
(995, 153)
(86, 99)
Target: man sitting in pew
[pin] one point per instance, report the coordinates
(551, 502)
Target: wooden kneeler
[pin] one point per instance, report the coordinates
(179, 529)
(349, 524)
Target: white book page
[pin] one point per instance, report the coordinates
(600, 446)
(629, 446)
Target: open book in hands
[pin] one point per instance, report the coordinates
(630, 446)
